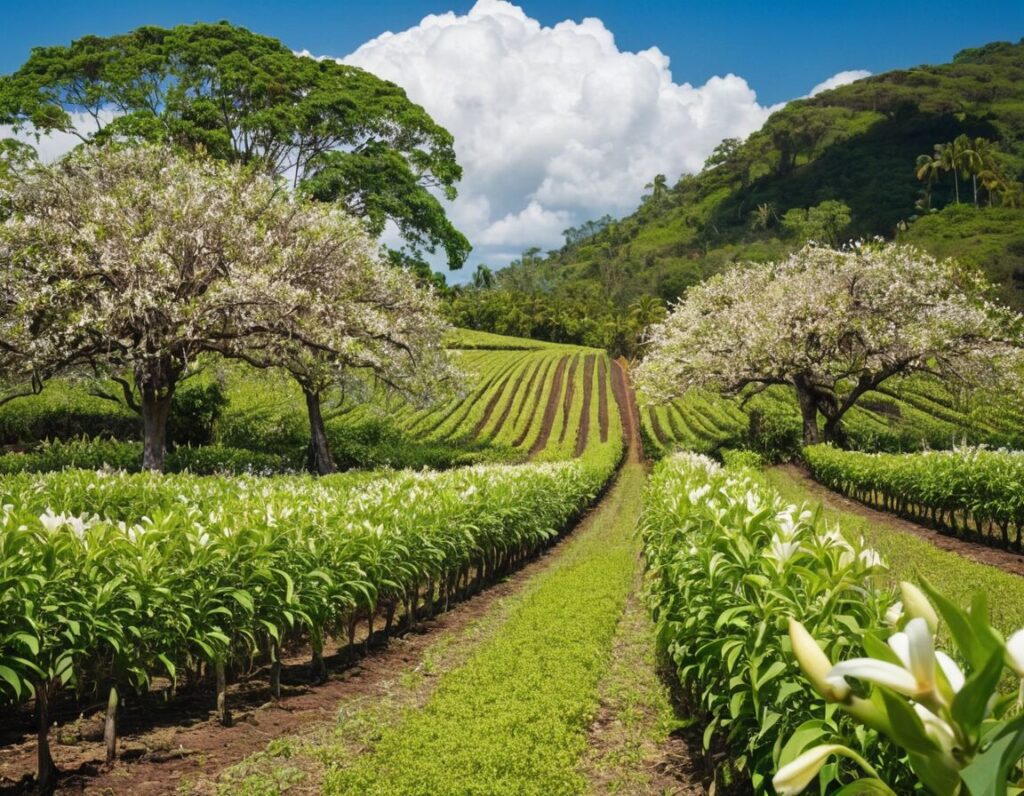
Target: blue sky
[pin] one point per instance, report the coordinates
(780, 47)
(563, 111)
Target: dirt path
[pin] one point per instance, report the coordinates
(628, 411)
(583, 433)
(550, 409)
(570, 392)
(1002, 559)
(602, 399)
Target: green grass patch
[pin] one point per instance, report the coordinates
(514, 719)
(910, 558)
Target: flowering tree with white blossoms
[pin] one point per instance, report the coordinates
(138, 261)
(358, 322)
(832, 325)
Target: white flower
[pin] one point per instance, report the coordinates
(870, 558)
(794, 777)
(915, 678)
(781, 550)
(894, 613)
(1015, 653)
(51, 521)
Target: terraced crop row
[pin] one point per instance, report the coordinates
(548, 404)
(909, 416)
(110, 579)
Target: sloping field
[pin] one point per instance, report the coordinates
(918, 413)
(543, 402)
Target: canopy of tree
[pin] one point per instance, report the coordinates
(336, 131)
(135, 262)
(832, 325)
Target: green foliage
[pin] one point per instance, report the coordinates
(973, 492)
(342, 133)
(102, 563)
(195, 410)
(514, 718)
(741, 459)
(728, 562)
(98, 453)
(823, 223)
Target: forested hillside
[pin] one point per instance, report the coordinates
(932, 155)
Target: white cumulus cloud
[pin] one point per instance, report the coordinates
(839, 79)
(553, 125)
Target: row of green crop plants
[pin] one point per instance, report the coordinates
(108, 580)
(971, 492)
(808, 671)
(918, 413)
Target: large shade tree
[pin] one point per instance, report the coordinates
(340, 132)
(357, 325)
(135, 262)
(831, 325)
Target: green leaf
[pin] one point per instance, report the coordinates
(970, 705)
(11, 677)
(988, 773)
(907, 727)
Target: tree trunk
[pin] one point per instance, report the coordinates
(319, 460)
(275, 669)
(223, 714)
(110, 725)
(156, 407)
(809, 414)
(46, 771)
(834, 432)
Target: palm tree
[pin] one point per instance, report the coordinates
(483, 277)
(968, 161)
(658, 187)
(928, 170)
(988, 168)
(946, 154)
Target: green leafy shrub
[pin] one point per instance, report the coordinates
(65, 411)
(740, 459)
(728, 563)
(195, 409)
(973, 492)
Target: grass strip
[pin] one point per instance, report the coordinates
(910, 557)
(514, 719)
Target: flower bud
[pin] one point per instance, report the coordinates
(814, 663)
(917, 605)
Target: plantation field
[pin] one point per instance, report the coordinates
(919, 413)
(517, 400)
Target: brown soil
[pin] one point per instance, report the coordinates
(537, 369)
(625, 753)
(504, 412)
(588, 389)
(602, 398)
(995, 557)
(570, 392)
(551, 409)
(627, 409)
(659, 432)
(162, 747)
(533, 406)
